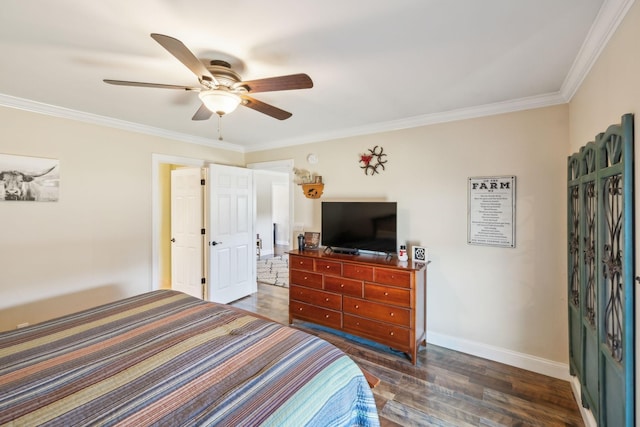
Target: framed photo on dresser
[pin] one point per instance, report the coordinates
(311, 240)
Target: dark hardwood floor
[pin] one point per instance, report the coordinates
(446, 388)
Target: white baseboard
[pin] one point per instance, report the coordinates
(519, 360)
(498, 354)
(587, 415)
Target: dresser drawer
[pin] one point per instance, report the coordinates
(300, 263)
(394, 336)
(373, 310)
(344, 286)
(305, 278)
(393, 277)
(328, 267)
(314, 314)
(356, 271)
(387, 295)
(316, 297)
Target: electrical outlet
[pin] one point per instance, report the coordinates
(22, 325)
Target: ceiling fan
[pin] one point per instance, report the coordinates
(222, 89)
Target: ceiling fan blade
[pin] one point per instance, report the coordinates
(203, 113)
(142, 84)
(270, 84)
(265, 108)
(184, 55)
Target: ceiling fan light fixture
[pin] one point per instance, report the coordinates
(219, 101)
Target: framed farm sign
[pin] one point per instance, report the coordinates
(30, 179)
(491, 211)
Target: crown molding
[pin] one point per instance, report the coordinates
(605, 25)
(411, 122)
(510, 106)
(67, 113)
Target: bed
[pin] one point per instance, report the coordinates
(165, 358)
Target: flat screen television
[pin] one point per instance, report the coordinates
(355, 226)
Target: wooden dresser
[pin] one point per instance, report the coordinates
(370, 296)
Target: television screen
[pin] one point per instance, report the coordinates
(369, 226)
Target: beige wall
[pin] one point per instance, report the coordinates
(511, 299)
(612, 89)
(94, 245)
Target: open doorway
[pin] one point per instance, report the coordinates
(281, 217)
(272, 221)
(274, 206)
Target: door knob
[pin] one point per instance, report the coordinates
(173, 240)
(215, 243)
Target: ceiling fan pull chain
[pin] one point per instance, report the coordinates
(219, 127)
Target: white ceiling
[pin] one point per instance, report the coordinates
(376, 64)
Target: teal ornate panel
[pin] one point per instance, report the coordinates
(601, 273)
(574, 265)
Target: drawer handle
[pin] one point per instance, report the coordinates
(305, 277)
(356, 306)
(391, 333)
(342, 285)
(391, 314)
(386, 294)
(326, 299)
(300, 309)
(300, 262)
(326, 316)
(328, 266)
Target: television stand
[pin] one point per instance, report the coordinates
(380, 299)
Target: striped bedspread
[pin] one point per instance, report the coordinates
(167, 359)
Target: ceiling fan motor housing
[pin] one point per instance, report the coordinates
(224, 74)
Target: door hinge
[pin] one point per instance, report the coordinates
(202, 182)
(203, 281)
(202, 231)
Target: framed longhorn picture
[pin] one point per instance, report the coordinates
(29, 179)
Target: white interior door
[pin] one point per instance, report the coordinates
(231, 236)
(187, 223)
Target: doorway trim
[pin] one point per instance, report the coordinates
(156, 161)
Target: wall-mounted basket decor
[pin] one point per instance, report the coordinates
(312, 185)
(313, 191)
